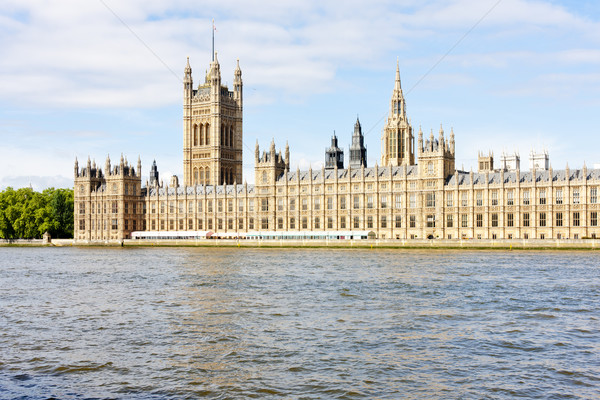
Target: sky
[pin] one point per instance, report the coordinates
(104, 77)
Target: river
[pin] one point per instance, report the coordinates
(235, 323)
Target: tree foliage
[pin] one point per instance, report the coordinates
(27, 214)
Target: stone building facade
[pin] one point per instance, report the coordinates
(399, 199)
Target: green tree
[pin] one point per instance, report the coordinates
(27, 214)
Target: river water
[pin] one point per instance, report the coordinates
(187, 323)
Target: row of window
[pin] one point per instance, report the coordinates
(384, 222)
(113, 224)
(129, 207)
(430, 202)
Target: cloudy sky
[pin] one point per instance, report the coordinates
(97, 77)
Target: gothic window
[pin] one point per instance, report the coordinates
(494, 220)
(201, 129)
(207, 138)
(510, 198)
(195, 176)
(575, 196)
(464, 199)
(398, 221)
(430, 168)
(479, 220)
(594, 218)
(576, 219)
(412, 200)
(526, 197)
(464, 220)
(398, 201)
(449, 221)
(510, 220)
(542, 196)
(264, 177)
(593, 195)
(449, 198)
(383, 221)
(542, 219)
(494, 197)
(526, 220)
(559, 196)
(559, 219)
(430, 199)
(195, 135)
(383, 201)
(431, 221)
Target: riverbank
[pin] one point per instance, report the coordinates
(482, 244)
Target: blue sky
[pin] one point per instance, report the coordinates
(75, 81)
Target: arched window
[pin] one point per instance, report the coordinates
(231, 136)
(195, 176)
(207, 130)
(195, 135)
(201, 176)
(201, 134)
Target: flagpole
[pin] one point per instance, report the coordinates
(213, 40)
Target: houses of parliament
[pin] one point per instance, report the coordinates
(415, 192)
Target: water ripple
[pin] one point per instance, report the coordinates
(345, 324)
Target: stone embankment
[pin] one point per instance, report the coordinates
(535, 244)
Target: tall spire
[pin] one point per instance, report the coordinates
(398, 85)
(213, 39)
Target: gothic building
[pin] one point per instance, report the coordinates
(417, 191)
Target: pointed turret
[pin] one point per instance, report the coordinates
(76, 168)
(139, 166)
(107, 170)
(334, 156)
(153, 174)
(237, 82)
(256, 152)
(287, 156)
(358, 151)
